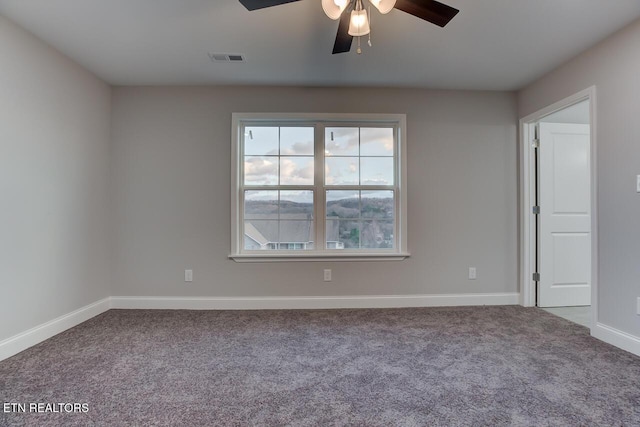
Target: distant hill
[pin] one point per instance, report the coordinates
(368, 226)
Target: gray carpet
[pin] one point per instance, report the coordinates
(480, 366)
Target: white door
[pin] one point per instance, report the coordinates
(565, 215)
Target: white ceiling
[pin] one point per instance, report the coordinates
(489, 45)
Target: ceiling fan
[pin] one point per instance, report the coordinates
(353, 15)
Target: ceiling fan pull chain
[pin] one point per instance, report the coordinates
(359, 50)
(370, 25)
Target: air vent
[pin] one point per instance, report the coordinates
(226, 57)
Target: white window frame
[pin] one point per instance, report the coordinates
(320, 253)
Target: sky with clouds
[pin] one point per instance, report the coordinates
(353, 156)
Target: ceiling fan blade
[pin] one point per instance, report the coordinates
(343, 38)
(261, 4)
(429, 10)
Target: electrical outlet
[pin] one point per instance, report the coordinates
(327, 275)
(188, 275)
(472, 273)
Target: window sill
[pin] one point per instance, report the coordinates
(283, 257)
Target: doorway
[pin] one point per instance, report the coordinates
(558, 218)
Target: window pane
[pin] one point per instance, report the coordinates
(376, 142)
(260, 141)
(297, 141)
(377, 204)
(296, 170)
(261, 205)
(296, 235)
(343, 204)
(261, 170)
(279, 220)
(341, 170)
(279, 187)
(332, 229)
(377, 234)
(341, 142)
(260, 235)
(376, 170)
(296, 202)
(348, 234)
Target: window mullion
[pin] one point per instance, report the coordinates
(237, 212)
(276, 188)
(319, 193)
(398, 194)
(361, 187)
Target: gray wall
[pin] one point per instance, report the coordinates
(613, 66)
(54, 155)
(171, 193)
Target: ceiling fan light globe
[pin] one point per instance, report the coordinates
(359, 23)
(383, 6)
(334, 8)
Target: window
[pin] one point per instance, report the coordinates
(318, 186)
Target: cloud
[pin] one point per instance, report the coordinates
(376, 181)
(344, 141)
(297, 141)
(298, 148)
(366, 141)
(296, 171)
(376, 141)
(341, 170)
(261, 170)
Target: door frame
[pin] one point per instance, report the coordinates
(527, 198)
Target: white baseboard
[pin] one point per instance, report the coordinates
(33, 336)
(315, 302)
(617, 338)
